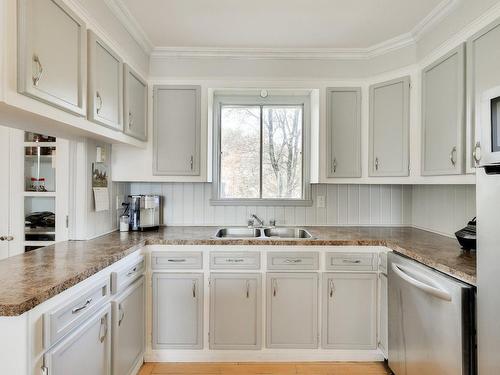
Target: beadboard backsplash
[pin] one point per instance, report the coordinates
(438, 208)
(189, 204)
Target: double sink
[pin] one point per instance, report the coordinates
(263, 233)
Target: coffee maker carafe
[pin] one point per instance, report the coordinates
(144, 212)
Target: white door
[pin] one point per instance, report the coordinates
(235, 311)
(292, 309)
(350, 310)
(128, 328)
(52, 54)
(177, 311)
(87, 350)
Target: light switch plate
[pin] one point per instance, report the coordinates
(320, 201)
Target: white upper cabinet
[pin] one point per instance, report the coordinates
(176, 130)
(105, 87)
(389, 128)
(343, 111)
(52, 54)
(483, 56)
(135, 104)
(443, 125)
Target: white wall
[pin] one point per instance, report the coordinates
(443, 208)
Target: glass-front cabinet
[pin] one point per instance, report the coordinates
(40, 190)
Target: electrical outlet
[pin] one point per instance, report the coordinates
(320, 201)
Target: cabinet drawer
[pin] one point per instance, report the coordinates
(174, 259)
(248, 260)
(292, 260)
(120, 279)
(351, 261)
(62, 320)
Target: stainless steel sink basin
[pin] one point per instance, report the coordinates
(238, 232)
(295, 233)
(262, 233)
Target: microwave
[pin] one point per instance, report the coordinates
(490, 129)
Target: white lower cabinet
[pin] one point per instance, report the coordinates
(383, 340)
(349, 310)
(292, 310)
(177, 310)
(128, 328)
(87, 350)
(235, 311)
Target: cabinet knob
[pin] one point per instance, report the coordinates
(39, 70)
(452, 155)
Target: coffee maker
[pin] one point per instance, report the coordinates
(144, 212)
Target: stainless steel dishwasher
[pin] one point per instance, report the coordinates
(431, 321)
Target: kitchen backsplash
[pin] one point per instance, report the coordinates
(439, 208)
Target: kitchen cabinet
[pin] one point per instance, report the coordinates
(128, 328)
(443, 117)
(343, 126)
(135, 104)
(291, 311)
(87, 350)
(105, 87)
(52, 54)
(389, 128)
(176, 130)
(177, 310)
(482, 74)
(235, 311)
(383, 339)
(349, 310)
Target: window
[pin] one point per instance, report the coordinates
(261, 153)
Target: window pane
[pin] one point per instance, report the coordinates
(282, 152)
(240, 147)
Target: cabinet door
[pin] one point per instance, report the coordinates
(177, 311)
(383, 340)
(176, 127)
(235, 311)
(343, 131)
(389, 124)
(128, 328)
(52, 54)
(443, 115)
(483, 57)
(105, 84)
(292, 310)
(350, 310)
(87, 350)
(135, 101)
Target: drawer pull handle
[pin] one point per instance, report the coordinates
(288, 260)
(80, 308)
(350, 261)
(331, 287)
(248, 289)
(233, 260)
(275, 287)
(104, 327)
(39, 70)
(121, 314)
(99, 105)
(132, 271)
(194, 289)
(453, 153)
(176, 260)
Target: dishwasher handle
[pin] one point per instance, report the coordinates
(432, 290)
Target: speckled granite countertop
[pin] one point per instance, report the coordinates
(29, 279)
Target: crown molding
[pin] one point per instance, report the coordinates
(401, 41)
(130, 23)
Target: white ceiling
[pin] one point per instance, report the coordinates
(277, 23)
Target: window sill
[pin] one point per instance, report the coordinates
(262, 202)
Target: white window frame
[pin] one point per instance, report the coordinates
(249, 100)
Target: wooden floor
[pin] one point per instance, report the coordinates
(314, 368)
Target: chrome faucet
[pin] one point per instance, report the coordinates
(257, 219)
